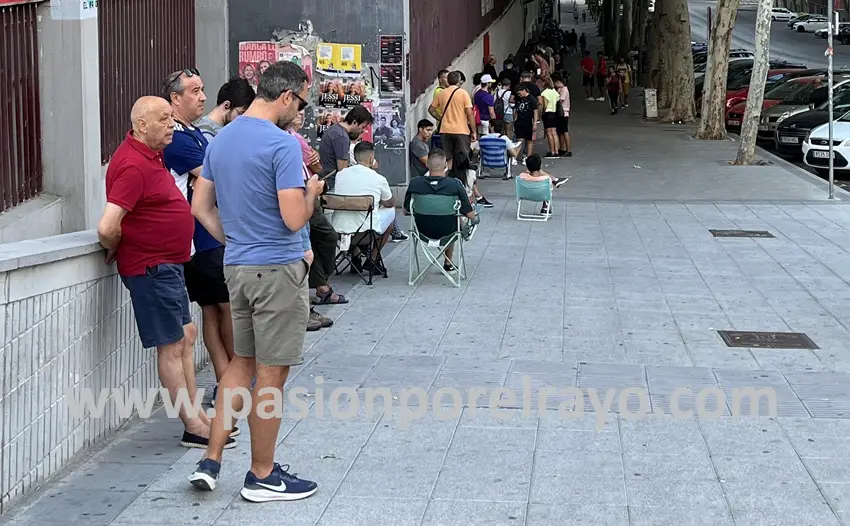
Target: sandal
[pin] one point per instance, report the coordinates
(327, 298)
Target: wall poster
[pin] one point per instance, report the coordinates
(389, 124)
(256, 57)
(339, 58)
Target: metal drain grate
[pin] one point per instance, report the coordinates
(767, 340)
(741, 233)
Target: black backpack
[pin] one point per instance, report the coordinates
(499, 107)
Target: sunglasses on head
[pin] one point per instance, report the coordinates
(189, 72)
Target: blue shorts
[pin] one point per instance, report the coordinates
(160, 304)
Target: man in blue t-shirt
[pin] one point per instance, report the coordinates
(184, 157)
(253, 171)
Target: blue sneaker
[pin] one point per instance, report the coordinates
(279, 485)
(205, 475)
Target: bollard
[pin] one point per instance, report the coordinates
(650, 103)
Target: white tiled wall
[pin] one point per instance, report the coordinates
(63, 325)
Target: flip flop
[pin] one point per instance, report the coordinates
(327, 298)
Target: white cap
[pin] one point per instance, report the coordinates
(487, 79)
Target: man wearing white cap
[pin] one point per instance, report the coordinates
(484, 101)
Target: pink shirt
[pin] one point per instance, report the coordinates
(525, 176)
(565, 100)
(305, 147)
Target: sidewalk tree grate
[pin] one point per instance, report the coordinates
(767, 340)
(741, 233)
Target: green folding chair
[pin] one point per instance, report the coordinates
(434, 249)
(536, 192)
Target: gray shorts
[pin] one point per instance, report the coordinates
(455, 142)
(270, 307)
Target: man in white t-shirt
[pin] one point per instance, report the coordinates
(362, 179)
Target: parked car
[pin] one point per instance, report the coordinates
(778, 94)
(843, 34)
(816, 146)
(792, 131)
(812, 24)
(780, 13)
(735, 55)
(798, 18)
(793, 104)
(737, 91)
(824, 33)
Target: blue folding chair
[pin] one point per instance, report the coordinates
(494, 157)
(536, 192)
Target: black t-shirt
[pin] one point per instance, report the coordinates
(511, 74)
(533, 89)
(525, 111)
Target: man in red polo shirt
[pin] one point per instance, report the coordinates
(147, 228)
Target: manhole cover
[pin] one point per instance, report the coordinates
(741, 233)
(767, 340)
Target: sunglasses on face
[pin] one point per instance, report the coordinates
(301, 102)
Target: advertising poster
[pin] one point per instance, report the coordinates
(367, 133)
(392, 80)
(298, 55)
(392, 48)
(327, 117)
(342, 92)
(388, 128)
(254, 59)
(339, 58)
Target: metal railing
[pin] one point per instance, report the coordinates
(21, 170)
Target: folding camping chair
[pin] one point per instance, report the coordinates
(364, 238)
(435, 249)
(493, 157)
(536, 192)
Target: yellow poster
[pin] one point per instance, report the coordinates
(347, 58)
(325, 56)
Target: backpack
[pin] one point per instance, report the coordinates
(477, 113)
(499, 107)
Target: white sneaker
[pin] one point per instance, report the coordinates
(590, 98)
(513, 161)
(601, 99)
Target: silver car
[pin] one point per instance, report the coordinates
(796, 102)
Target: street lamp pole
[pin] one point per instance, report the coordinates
(833, 27)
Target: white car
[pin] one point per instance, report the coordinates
(780, 13)
(816, 146)
(811, 25)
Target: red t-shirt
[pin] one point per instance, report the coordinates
(158, 227)
(587, 66)
(602, 70)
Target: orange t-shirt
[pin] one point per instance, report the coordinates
(454, 117)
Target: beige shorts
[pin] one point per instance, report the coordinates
(270, 306)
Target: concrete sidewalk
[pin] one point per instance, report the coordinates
(624, 287)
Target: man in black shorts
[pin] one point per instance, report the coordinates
(435, 182)
(527, 112)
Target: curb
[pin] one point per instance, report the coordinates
(840, 193)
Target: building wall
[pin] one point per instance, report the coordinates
(310, 22)
(66, 323)
(440, 30)
(505, 36)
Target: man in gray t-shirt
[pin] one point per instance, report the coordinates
(419, 148)
(336, 141)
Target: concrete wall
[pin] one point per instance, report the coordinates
(70, 114)
(66, 323)
(211, 38)
(506, 36)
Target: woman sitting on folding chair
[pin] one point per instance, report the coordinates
(534, 174)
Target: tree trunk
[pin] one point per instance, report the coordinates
(653, 43)
(601, 21)
(755, 98)
(641, 12)
(680, 77)
(625, 30)
(610, 35)
(712, 124)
